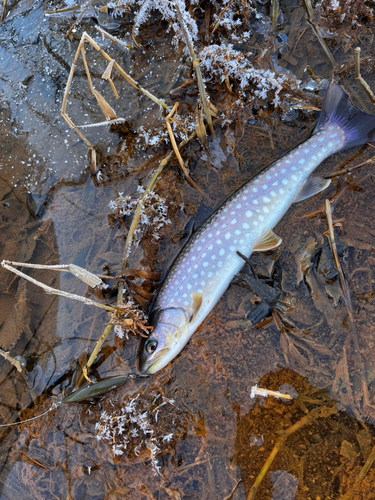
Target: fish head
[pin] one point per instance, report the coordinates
(169, 336)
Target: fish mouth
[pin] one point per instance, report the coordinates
(145, 363)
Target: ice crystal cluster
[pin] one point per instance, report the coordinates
(154, 213)
(223, 61)
(149, 423)
(230, 15)
(133, 318)
(167, 8)
(182, 126)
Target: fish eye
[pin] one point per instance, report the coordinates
(151, 346)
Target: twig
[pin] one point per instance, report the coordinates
(230, 496)
(275, 13)
(3, 11)
(94, 353)
(322, 42)
(60, 11)
(15, 362)
(168, 121)
(313, 415)
(220, 15)
(107, 110)
(350, 169)
(142, 200)
(142, 14)
(258, 391)
(115, 40)
(349, 494)
(198, 72)
(8, 265)
(358, 74)
(324, 45)
(345, 291)
(309, 8)
(312, 74)
(185, 84)
(79, 272)
(84, 8)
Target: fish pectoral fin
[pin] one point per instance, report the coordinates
(312, 186)
(197, 302)
(267, 241)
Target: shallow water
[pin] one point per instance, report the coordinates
(52, 212)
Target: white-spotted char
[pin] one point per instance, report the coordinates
(208, 262)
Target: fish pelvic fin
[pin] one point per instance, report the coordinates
(358, 126)
(311, 187)
(267, 241)
(197, 302)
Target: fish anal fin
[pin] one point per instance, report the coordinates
(311, 187)
(267, 241)
(196, 305)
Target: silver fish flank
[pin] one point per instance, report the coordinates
(208, 262)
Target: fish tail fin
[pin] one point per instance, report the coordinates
(358, 127)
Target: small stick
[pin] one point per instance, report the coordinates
(324, 45)
(80, 50)
(362, 474)
(346, 295)
(113, 38)
(94, 353)
(7, 265)
(312, 74)
(309, 8)
(177, 89)
(313, 415)
(322, 42)
(84, 8)
(358, 74)
(275, 13)
(15, 362)
(142, 200)
(3, 11)
(198, 72)
(257, 391)
(230, 496)
(216, 23)
(350, 169)
(142, 14)
(79, 272)
(60, 11)
(168, 121)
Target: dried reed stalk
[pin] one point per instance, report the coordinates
(198, 72)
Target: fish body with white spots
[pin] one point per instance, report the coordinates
(208, 262)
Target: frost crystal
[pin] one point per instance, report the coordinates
(153, 217)
(134, 429)
(223, 61)
(167, 9)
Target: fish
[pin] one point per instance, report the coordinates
(206, 265)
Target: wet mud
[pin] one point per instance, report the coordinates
(191, 431)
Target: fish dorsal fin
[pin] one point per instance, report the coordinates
(312, 186)
(267, 241)
(197, 302)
